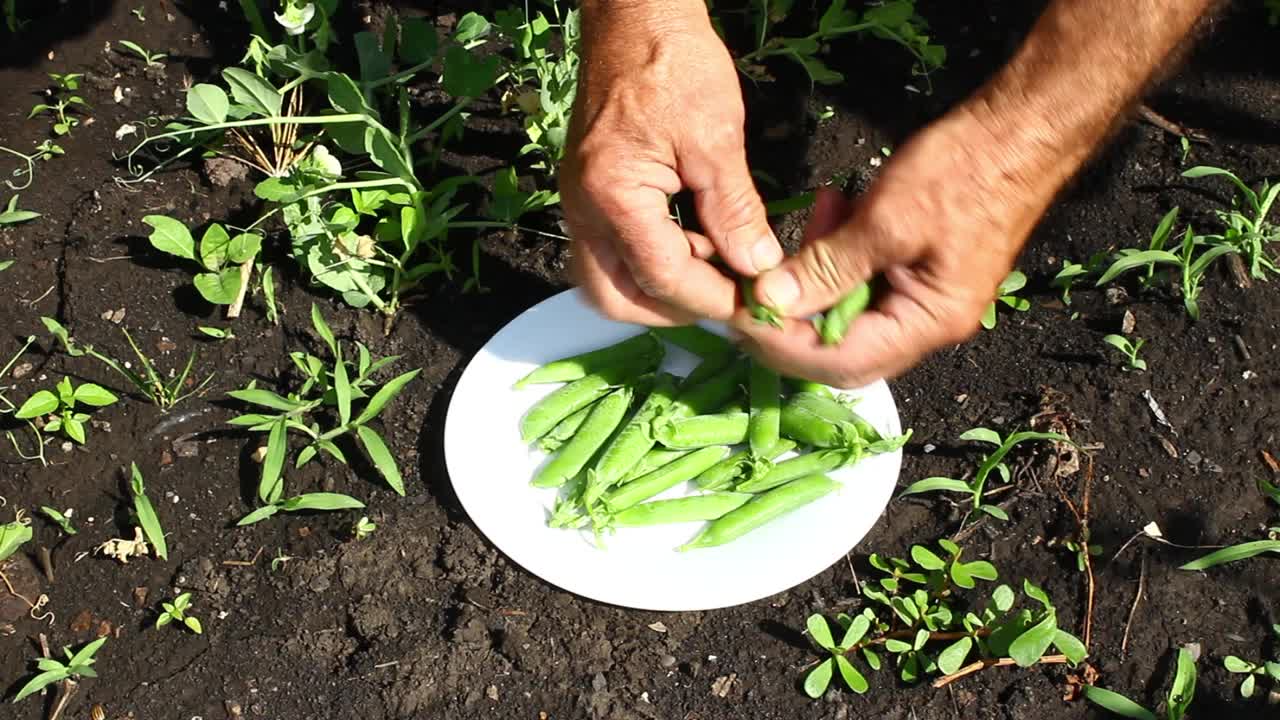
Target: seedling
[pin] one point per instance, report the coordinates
(976, 488)
(14, 535)
(1006, 294)
(916, 611)
(140, 13)
(1083, 551)
(335, 386)
(217, 333)
(45, 151)
(60, 407)
(151, 59)
(63, 100)
(363, 528)
(1185, 144)
(1245, 226)
(12, 215)
(1129, 349)
(1244, 551)
(78, 665)
(1181, 693)
(1073, 272)
(1253, 670)
(1195, 255)
(61, 519)
(147, 518)
(176, 611)
(7, 406)
(228, 261)
(152, 386)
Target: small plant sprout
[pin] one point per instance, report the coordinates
(78, 665)
(1251, 671)
(11, 215)
(140, 13)
(62, 100)
(363, 528)
(176, 611)
(826, 113)
(60, 518)
(227, 261)
(976, 488)
(1185, 144)
(916, 619)
(1128, 348)
(146, 513)
(1006, 294)
(1245, 226)
(148, 57)
(1244, 551)
(1083, 551)
(60, 407)
(217, 333)
(1073, 272)
(14, 534)
(1181, 694)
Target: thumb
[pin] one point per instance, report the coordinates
(826, 268)
(733, 215)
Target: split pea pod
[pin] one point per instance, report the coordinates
(800, 466)
(836, 320)
(705, 391)
(567, 400)
(702, 430)
(564, 430)
(595, 431)
(763, 509)
(695, 339)
(741, 466)
(579, 366)
(765, 391)
(811, 419)
(664, 478)
(633, 441)
(761, 312)
(698, 508)
(652, 460)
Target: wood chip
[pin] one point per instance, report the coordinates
(1270, 461)
(723, 684)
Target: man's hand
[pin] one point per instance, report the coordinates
(659, 109)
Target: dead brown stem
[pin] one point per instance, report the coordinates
(980, 665)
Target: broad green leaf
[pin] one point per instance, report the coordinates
(270, 485)
(418, 41)
(1002, 597)
(995, 511)
(820, 631)
(1234, 553)
(259, 515)
(384, 395)
(276, 190)
(346, 97)
(960, 575)
(857, 630)
(1031, 645)
(1246, 687)
(988, 319)
(852, 677)
(1117, 703)
(12, 536)
(219, 288)
(1200, 171)
(74, 429)
(213, 247)
(467, 74)
(925, 558)
(265, 398)
(244, 247)
(1207, 257)
(1164, 229)
(321, 501)
(953, 657)
(39, 682)
(936, 484)
(1035, 593)
(1184, 685)
(1236, 665)
(253, 92)
(193, 624)
(305, 456)
(897, 646)
(171, 236)
(471, 26)
(982, 570)
(1137, 260)
(386, 153)
(1070, 646)
(819, 679)
(374, 63)
(1013, 282)
(1273, 669)
(342, 388)
(207, 103)
(94, 395)
(381, 456)
(981, 434)
(12, 216)
(42, 403)
(873, 659)
(322, 329)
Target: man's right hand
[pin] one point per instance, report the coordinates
(659, 109)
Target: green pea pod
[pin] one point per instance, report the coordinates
(836, 320)
(800, 466)
(633, 441)
(741, 466)
(761, 312)
(565, 401)
(664, 478)
(702, 430)
(762, 510)
(766, 408)
(696, 339)
(698, 508)
(807, 386)
(703, 392)
(652, 460)
(595, 431)
(812, 419)
(580, 366)
(564, 430)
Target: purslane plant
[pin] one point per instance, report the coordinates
(335, 386)
(59, 408)
(918, 617)
(1181, 693)
(1268, 669)
(1007, 294)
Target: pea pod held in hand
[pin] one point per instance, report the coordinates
(761, 312)
(762, 510)
(565, 401)
(836, 320)
(579, 366)
(702, 430)
(697, 508)
(664, 478)
(765, 390)
(595, 431)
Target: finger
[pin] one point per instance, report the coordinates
(731, 211)
(700, 245)
(607, 284)
(830, 209)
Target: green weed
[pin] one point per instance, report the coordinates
(176, 611)
(58, 407)
(78, 665)
(1007, 294)
(1129, 349)
(63, 101)
(1181, 693)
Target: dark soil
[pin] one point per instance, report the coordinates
(426, 620)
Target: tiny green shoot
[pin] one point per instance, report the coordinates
(147, 518)
(11, 215)
(59, 518)
(1128, 348)
(62, 100)
(148, 57)
(176, 611)
(78, 664)
(363, 528)
(217, 333)
(1007, 294)
(1181, 693)
(1246, 550)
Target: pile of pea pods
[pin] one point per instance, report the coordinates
(621, 432)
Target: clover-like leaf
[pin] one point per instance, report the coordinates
(819, 679)
(820, 631)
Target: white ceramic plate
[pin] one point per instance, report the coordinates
(490, 469)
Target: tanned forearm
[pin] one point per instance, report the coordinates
(1084, 63)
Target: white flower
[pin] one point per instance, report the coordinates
(325, 162)
(295, 19)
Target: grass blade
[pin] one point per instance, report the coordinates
(1232, 554)
(271, 486)
(147, 514)
(1116, 703)
(384, 395)
(381, 457)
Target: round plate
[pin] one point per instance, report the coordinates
(639, 567)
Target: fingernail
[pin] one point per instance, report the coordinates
(766, 254)
(780, 289)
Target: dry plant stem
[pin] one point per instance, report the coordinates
(66, 689)
(1170, 126)
(33, 607)
(980, 665)
(1133, 610)
(1082, 522)
(246, 271)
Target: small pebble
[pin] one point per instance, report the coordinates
(667, 661)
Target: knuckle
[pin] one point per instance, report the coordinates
(825, 266)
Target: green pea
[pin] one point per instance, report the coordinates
(695, 339)
(664, 478)
(564, 430)
(579, 366)
(595, 431)
(800, 466)
(652, 460)
(741, 466)
(633, 441)
(698, 508)
(761, 312)
(808, 386)
(819, 421)
(710, 386)
(763, 509)
(702, 430)
(766, 408)
(567, 400)
(836, 320)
